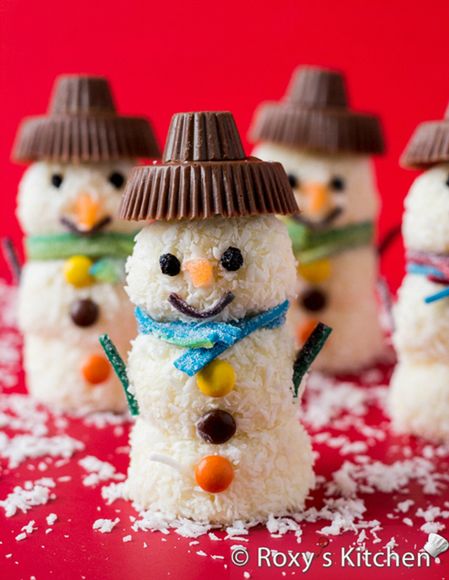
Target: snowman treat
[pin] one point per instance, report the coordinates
(212, 375)
(419, 396)
(72, 283)
(325, 148)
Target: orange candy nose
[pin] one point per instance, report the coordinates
(318, 198)
(96, 369)
(201, 272)
(87, 210)
(214, 473)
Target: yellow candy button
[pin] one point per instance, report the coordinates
(217, 379)
(76, 271)
(315, 272)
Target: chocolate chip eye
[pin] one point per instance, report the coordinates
(337, 183)
(447, 181)
(56, 180)
(232, 259)
(293, 180)
(170, 265)
(117, 179)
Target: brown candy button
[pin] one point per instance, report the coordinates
(84, 312)
(216, 426)
(313, 300)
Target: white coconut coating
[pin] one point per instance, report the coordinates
(273, 474)
(419, 399)
(41, 205)
(422, 330)
(53, 368)
(262, 397)
(419, 395)
(270, 451)
(55, 348)
(351, 310)
(425, 225)
(351, 307)
(266, 278)
(359, 200)
(45, 300)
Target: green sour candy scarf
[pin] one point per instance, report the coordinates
(310, 245)
(65, 245)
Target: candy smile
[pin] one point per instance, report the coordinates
(74, 228)
(331, 216)
(181, 305)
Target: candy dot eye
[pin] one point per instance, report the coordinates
(56, 180)
(117, 179)
(447, 181)
(232, 259)
(337, 183)
(293, 180)
(170, 265)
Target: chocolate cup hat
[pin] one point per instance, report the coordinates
(83, 126)
(315, 116)
(428, 145)
(205, 173)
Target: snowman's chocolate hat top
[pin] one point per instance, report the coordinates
(428, 145)
(83, 126)
(205, 173)
(314, 115)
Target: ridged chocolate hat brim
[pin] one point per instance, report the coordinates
(321, 130)
(428, 145)
(202, 190)
(94, 138)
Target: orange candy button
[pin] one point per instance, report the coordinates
(96, 369)
(305, 329)
(214, 473)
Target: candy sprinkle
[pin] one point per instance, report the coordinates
(308, 353)
(120, 370)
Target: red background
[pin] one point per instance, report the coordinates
(167, 57)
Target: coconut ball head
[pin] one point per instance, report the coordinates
(71, 290)
(217, 437)
(326, 148)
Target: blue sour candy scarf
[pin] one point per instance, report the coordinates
(204, 341)
(435, 267)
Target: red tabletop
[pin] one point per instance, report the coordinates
(374, 490)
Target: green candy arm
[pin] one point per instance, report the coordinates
(308, 354)
(120, 370)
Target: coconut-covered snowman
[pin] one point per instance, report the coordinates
(325, 148)
(212, 374)
(419, 395)
(72, 283)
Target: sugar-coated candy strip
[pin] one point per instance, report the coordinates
(120, 370)
(12, 259)
(66, 244)
(308, 353)
(386, 300)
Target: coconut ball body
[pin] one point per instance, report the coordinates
(419, 395)
(335, 192)
(269, 451)
(61, 320)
